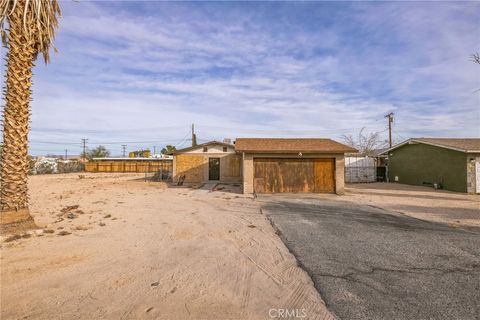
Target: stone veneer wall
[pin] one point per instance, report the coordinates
(471, 173)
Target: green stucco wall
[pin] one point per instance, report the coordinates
(418, 163)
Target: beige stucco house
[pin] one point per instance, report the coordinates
(208, 162)
(266, 165)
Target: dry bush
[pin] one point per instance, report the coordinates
(69, 166)
(51, 166)
(45, 167)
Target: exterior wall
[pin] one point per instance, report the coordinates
(230, 168)
(247, 178)
(210, 149)
(418, 163)
(248, 171)
(195, 167)
(339, 173)
(192, 166)
(471, 172)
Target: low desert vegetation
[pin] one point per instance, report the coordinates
(97, 152)
(45, 165)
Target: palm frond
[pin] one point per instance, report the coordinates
(476, 57)
(41, 14)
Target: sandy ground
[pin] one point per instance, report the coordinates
(419, 202)
(143, 250)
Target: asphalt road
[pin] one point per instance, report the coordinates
(368, 263)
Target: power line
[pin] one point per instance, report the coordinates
(45, 150)
(398, 134)
(55, 142)
(63, 130)
(205, 130)
(279, 130)
(102, 142)
(183, 140)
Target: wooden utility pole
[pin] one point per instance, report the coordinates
(84, 142)
(124, 150)
(390, 121)
(194, 136)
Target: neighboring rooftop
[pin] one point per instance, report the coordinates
(292, 145)
(468, 145)
(214, 142)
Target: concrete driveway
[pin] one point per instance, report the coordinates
(368, 263)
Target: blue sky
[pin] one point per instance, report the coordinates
(141, 72)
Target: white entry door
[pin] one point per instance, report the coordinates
(477, 175)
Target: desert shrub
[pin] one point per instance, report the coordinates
(69, 166)
(45, 167)
(97, 152)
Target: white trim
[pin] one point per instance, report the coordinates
(396, 146)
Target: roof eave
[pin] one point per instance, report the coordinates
(202, 145)
(428, 143)
(296, 151)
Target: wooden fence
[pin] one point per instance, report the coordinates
(139, 166)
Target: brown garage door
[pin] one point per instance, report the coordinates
(294, 175)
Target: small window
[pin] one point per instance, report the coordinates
(224, 149)
(205, 149)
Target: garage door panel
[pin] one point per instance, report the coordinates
(296, 176)
(324, 175)
(292, 175)
(258, 177)
(267, 176)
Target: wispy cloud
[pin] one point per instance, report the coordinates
(144, 71)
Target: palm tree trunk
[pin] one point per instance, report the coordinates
(14, 162)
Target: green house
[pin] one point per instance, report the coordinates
(452, 164)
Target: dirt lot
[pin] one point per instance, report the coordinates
(117, 247)
(419, 202)
(143, 250)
